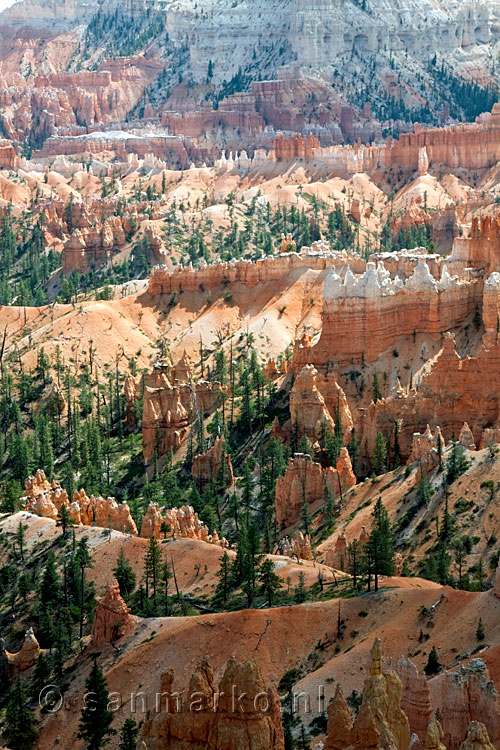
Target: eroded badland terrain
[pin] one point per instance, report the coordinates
(250, 375)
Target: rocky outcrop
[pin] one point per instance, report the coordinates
(382, 693)
(262, 271)
(306, 481)
(466, 438)
(170, 408)
(213, 466)
(243, 714)
(112, 618)
(466, 695)
(364, 316)
(131, 393)
(13, 663)
(477, 738)
(46, 498)
(415, 697)
(425, 450)
(380, 724)
(177, 522)
(316, 402)
(434, 736)
(299, 546)
(339, 727)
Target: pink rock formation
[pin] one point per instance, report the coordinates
(215, 720)
(466, 438)
(307, 481)
(339, 727)
(382, 693)
(181, 522)
(380, 724)
(213, 466)
(131, 392)
(424, 448)
(45, 499)
(22, 659)
(466, 695)
(299, 546)
(112, 618)
(169, 407)
(415, 697)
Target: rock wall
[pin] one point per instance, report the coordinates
(470, 394)
(466, 695)
(211, 719)
(163, 281)
(365, 316)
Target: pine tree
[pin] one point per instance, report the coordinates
(19, 539)
(152, 566)
(124, 574)
(377, 391)
(480, 630)
(84, 561)
(381, 544)
(41, 676)
(433, 666)
(379, 459)
(300, 592)
(64, 519)
(223, 574)
(95, 723)
(270, 582)
(128, 735)
(21, 725)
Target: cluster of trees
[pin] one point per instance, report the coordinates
(25, 265)
(122, 34)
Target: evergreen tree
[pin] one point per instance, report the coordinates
(95, 723)
(381, 544)
(21, 725)
(270, 582)
(83, 561)
(64, 519)
(456, 464)
(224, 575)
(152, 567)
(379, 459)
(128, 735)
(377, 391)
(124, 574)
(433, 666)
(480, 630)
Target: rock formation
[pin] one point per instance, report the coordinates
(112, 618)
(131, 392)
(180, 522)
(45, 499)
(424, 448)
(380, 724)
(299, 546)
(243, 714)
(13, 663)
(169, 408)
(466, 695)
(466, 438)
(364, 316)
(306, 481)
(213, 466)
(382, 693)
(339, 727)
(415, 696)
(477, 738)
(313, 401)
(434, 736)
